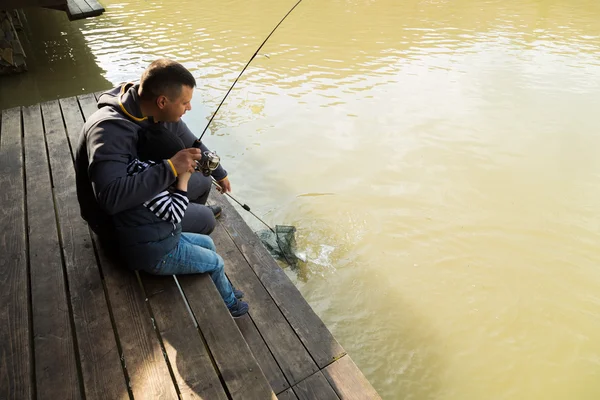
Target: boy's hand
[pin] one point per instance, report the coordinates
(182, 180)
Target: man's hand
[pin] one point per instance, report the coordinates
(185, 160)
(224, 185)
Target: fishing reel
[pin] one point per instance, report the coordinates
(209, 160)
(208, 163)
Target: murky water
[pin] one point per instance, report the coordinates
(439, 159)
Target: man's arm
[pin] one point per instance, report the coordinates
(111, 145)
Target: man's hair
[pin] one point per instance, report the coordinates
(164, 77)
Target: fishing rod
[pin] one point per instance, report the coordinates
(246, 66)
(198, 141)
(244, 205)
(210, 161)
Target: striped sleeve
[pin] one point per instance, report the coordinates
(169, 206)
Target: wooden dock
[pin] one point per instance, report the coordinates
(74, 325)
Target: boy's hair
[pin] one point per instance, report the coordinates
(164, 77)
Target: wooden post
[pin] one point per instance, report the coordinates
(12, 56)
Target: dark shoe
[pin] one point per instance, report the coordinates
(238, 309)
(238, 293)
(216, 210)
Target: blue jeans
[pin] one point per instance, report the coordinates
(196, 254)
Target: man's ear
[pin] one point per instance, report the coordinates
(161, 102)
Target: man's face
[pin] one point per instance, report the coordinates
(173, 108)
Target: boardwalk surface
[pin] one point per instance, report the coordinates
(75, 325)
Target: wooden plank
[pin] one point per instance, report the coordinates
(239, 369)
(190, 361)
(348, 381)
(287, 395)
(54, 351)
(73, 120)
(145, 365)
(102, 373)
(73, 9)
(94, 5)
(292, 357)
(262, 354)
(15, 347)
(88, 104)
(320, 343)
(315, 387)
(78, 9)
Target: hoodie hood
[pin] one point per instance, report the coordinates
(125, 101)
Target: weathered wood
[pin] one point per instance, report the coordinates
(88, 104)
(240, 371)
(262, 354)
(54, 351)
(287, 349)
(320, 343)
(145, 364)
(315, 387)
(73, 120)
(15, 347)
(100, 362)
(146, 367)
(78, 9)
(348, 381)
(190, 361)
(287, 395)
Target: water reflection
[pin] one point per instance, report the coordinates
(60, 62)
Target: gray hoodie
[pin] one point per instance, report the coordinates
(111, 201)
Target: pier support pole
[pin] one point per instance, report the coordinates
(12, 56)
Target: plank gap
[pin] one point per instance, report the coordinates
(28, 262)
(62, 114)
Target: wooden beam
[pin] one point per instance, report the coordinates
(16, 370)
(348, 381)
(54, 349)
(315, 387)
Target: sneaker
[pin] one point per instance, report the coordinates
(216, 210)
(238, 293)
(238, 309)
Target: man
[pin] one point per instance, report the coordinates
(140, 203)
